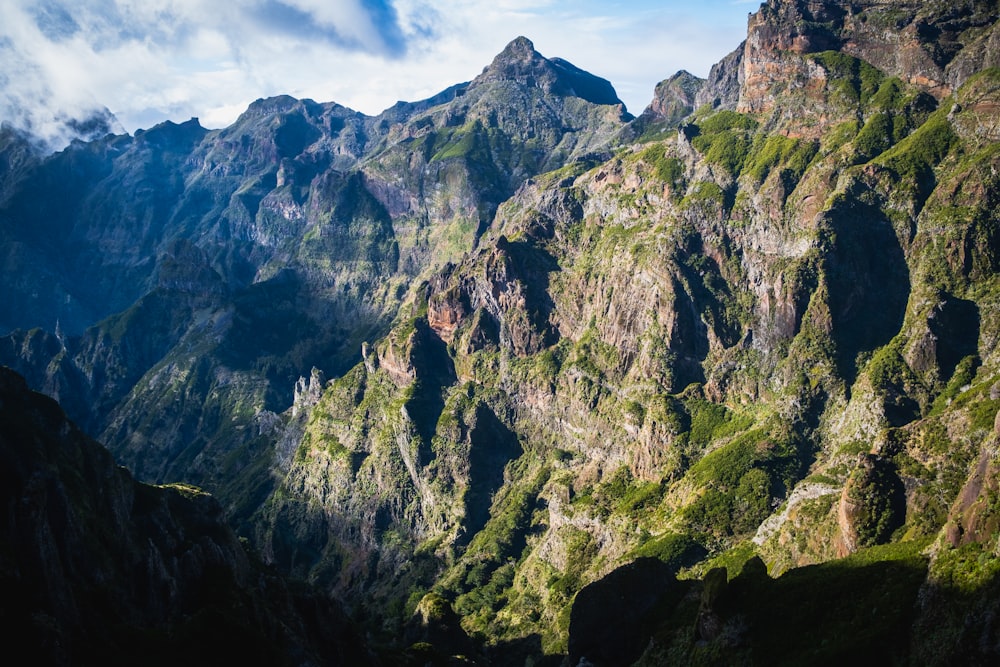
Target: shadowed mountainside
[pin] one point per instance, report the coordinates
(98, 568)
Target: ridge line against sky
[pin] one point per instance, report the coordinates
(154, 60)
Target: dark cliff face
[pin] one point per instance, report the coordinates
(99, 568)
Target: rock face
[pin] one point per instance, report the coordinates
(872, 504)
(722, 89)
(674, 98)
(758, 321)
(98, 567)
(930, 46)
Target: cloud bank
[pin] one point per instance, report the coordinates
(153, 60)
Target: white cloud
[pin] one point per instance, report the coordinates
(151, 60)
(347, 16)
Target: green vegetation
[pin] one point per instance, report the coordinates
(469, 141)
(741, 479)
(581, 550)
(887, 367)
(711, 421)
(670, 170)
(486, 570)
(704, 192)
(472, 141)
(732, 560)
(674, 549)
(726, 121)
(877, 496)
(729, 139)
(913, 160)
(982, 415)
(876, 136)
(621, 494)
(855, 80)
(891, 96)
(964, 373)
(841, 134)
(966, 569)
(724, 138)
(770, 152)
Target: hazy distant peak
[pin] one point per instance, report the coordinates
(96, 125)
(53, 132)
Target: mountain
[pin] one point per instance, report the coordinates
(515, 376)
(224, 265)
(99, 568)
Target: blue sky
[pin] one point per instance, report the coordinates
(154, 60)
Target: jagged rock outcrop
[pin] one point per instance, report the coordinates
(871, 505)
(674, 98)
(973, 516)
(512, 302)
(929, 46)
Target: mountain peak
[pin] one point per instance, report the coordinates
(520, 47)
(517, 59)
(519, 62)
(674, 98)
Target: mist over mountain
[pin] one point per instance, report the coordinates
(514, 377)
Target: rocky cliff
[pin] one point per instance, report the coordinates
(737, 336)
(751, 334)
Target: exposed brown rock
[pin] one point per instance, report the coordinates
(673, 99)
